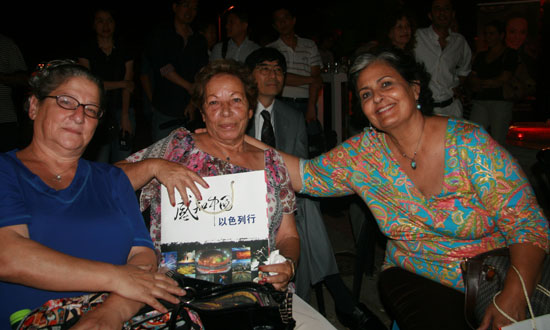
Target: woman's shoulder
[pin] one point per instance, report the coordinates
(109, 175)
(465, 132)
(8, 162)
(105, 170)
(178, 140)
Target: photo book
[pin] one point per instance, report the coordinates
(222, 238)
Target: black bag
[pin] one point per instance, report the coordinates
(245, 305)
(484, 277)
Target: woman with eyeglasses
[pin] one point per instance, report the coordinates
(69, 226)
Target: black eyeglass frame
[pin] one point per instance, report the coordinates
(87, 111)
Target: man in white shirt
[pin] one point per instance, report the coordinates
(237, 46)
(303, 78)
(447, 57)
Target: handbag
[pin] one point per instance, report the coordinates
(484, 276)
(244, 305)
(64, 313)
(206, 305)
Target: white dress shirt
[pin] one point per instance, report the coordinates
(444, 65)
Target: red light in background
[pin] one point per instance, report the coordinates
(520, 136)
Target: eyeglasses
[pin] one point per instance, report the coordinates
(266, 70)
(70, 103)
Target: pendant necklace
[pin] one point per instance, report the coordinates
(58, 177)
(413, 158)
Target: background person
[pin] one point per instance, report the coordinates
(491, 69)
(67, 225)
(108, 57)
(236, 46)
(174, 53)
(446, 55)
(303, 79)
(399, 32)
(227, 96)
(517, 29)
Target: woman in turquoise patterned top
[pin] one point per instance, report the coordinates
(441, 189)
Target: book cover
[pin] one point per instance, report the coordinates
(222, 238)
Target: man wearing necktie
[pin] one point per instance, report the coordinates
(277, 124)
(267, 134)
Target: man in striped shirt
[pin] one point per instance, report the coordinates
(303, 78)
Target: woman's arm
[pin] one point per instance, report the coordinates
(110, 85)
(287, 242)
(496, 82)
(116, 309)
(291, 162)
(125, 124)
(27, 262)
(506, 195)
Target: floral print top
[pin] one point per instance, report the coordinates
(180, 147)
(486, 201)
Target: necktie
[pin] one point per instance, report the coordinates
(268, 135)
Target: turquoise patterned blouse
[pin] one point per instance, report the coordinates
(486, 201)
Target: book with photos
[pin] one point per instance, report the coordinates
(222, 238)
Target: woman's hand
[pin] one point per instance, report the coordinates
(285, 272)
(138, 283)
(100, 319)
(527, 259)
(514, 307)
(176, 176)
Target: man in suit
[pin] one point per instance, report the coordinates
(285, 130)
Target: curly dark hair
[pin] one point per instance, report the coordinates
(390, 20)
(53, 74)
(223, 66)
(405, 64)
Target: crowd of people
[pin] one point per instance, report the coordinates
(437, 180)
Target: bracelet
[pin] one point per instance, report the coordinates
(292, 266)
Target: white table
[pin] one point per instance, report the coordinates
(335, 80)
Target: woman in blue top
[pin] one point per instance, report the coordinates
(67, 225)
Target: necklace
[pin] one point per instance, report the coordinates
(57, 177)
(413, 158)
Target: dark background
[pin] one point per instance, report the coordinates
(53, 30)
(48, 30)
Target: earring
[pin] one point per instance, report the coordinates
(418, 106)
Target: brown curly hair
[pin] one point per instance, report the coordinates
(230, 67)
